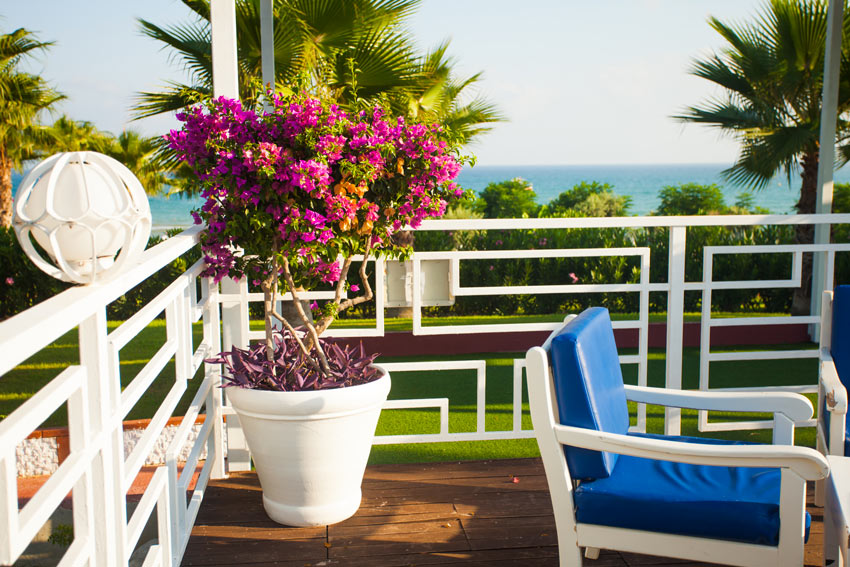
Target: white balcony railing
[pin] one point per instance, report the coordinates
(98, 474)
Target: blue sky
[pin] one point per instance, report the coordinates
(581, 82)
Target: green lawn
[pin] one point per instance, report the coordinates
(458, 386)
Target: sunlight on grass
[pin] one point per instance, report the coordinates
(458, 386)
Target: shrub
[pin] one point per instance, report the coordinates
(691, 199)
(23, 285)
(514, 198)
(591, 199)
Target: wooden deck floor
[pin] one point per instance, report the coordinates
(473, 514)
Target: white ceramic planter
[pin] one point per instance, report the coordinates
(310, 448)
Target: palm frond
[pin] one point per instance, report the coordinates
(190, 46)
(175, 97)
(17, 44)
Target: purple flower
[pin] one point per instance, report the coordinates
(311, 178)
(314, 306)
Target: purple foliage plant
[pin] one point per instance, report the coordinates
(288, 371)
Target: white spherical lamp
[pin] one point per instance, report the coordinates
(87, 211)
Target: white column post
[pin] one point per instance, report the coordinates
(226, 83)
(675, 323)
(267, 45)
(826, 162)
(108, 464)
(225, 69)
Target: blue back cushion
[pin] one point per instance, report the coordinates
(840, 348)
(589, 387)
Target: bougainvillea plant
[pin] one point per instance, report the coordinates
(294, 193)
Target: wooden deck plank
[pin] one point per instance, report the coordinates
(442, 514)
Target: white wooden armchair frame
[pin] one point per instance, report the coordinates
(797, 464)
(832, 395)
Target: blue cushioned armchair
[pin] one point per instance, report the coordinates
(690, 498)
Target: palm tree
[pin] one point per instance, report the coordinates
(74, 136)
(356, 51)
(139, 154)
(22, 98)
(772, 73)
(441, 97)
(130, 148)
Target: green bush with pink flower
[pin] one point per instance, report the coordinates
(295, 193)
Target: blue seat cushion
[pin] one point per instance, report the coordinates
(729, 503)
(589, 387)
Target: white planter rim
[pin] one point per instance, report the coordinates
(310, 405)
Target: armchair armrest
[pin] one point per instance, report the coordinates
(793, 406)
(805, 462)
(834, 390)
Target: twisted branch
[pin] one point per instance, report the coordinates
(311, 329)
(343, 275)
(301, 345)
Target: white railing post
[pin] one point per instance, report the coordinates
(234, 318)
(79, 432)
(675, 323)
(175, 330)
(212, 336)
(109, 504)
(643, 336)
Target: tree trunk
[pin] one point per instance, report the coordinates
(5, 189)
(805, 233)
(268, 308)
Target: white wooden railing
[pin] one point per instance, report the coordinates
(99, 476)
(96, 472)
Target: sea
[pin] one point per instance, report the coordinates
(640, 182)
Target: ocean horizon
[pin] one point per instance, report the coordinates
(641, 182)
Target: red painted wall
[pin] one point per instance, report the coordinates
(406, 344)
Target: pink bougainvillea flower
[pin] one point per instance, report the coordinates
(573, 277)
(10, 281)
(315, 182)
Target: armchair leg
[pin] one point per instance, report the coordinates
(820, 497)
(569, 553)
(591, 552)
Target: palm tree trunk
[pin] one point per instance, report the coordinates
(5, 189)
(805, 233)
